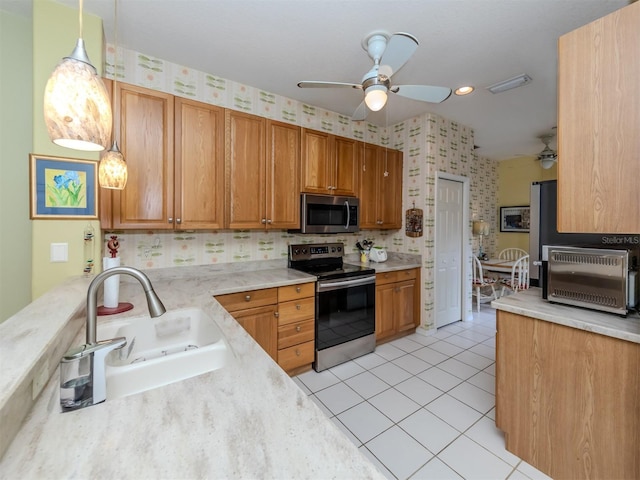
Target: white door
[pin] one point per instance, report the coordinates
(448, 229)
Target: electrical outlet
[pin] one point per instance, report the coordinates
(40, 379)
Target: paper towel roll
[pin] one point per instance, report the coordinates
(111, 284)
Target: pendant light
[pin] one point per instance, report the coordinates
(77, 111)
(112, 170)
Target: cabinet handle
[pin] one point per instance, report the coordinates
(263, 221)
(170, 220)
(269, 221)
(298, 306)
(298, 328)
(276, 314)
(297, 352)
(247, 298)
(178, 221)
(298, 289)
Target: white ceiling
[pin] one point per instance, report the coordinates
(274, 44)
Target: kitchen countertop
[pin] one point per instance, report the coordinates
(530, 304)
(245, 420)
(395, 261)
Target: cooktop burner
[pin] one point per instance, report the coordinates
(324, 260)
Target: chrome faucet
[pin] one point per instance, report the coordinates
(83, 379)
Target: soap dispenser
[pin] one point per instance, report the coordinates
(75, 382)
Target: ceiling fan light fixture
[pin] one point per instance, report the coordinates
(466, 90)
(376, 97)
(547, 156)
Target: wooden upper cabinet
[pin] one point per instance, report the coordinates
(245, 170)
(263, 173)
(283, 175)
(347, 160)
(144, 119)
(329, 164)
(598, 125)
(380, 188)
(199, 165)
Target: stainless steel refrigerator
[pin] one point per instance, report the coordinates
(543, 230)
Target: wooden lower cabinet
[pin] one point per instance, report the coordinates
(281, 320)
(568, 400)
(397, 304)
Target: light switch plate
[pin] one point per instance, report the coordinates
(59, 252)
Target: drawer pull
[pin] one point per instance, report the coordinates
(297, 352)
(247, 298)
(298, 289)
(298, 306)
(298, 328)
(276, 314)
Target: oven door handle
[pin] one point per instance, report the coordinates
(326, 286)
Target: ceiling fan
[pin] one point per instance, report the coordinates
(389, 54)
(547, 156)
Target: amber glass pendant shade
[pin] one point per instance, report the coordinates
(112, 169)
(77, 110)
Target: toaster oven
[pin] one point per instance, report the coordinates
(595, 278)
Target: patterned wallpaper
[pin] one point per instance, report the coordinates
(430, 144)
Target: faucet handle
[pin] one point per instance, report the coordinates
(90, 388)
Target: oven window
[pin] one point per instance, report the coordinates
(345, 314)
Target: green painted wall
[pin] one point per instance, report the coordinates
(15, 145)
(515, 179)
(55, 33)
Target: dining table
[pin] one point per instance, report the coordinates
(499, 265)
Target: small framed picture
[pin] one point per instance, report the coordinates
(62, 188)
(514, 219)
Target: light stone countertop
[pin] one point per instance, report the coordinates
(530, 304)
(395, 261)
(246, 420)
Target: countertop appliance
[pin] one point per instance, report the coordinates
(378, 254)
(543, 231)
(345, 303)
(328, 214)
(595, 278)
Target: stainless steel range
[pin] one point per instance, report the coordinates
(345, 303)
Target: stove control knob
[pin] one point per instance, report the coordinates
(296, 251)
(339, 249)
(333, 249)
(304, 250)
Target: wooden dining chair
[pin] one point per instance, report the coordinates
(481, 284)
(519, 279)
(512, 253)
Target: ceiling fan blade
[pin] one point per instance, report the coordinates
(360, 113)
(320, 84)
(424, 93)
(399, 50)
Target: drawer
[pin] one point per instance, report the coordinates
(396, 276)
(296, 356)
(293, 292)
(233, 302)
(295, 333)
(296, 310)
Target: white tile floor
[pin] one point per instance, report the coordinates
(423, 406)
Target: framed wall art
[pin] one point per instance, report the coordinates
(62, 188)
(514, 219)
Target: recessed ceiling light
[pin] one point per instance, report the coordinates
(466, 90)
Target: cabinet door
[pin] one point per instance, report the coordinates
(245, 170)
(199, 160)
(368, 195)
(262, 324)
(347, 153)
(316, 161)
(283, 175)
(390, 189)
(385, 311)
(144, 119)
(404, 305)
(598, 125)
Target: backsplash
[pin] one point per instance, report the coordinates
(431, 144)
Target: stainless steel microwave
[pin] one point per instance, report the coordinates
(329, 214)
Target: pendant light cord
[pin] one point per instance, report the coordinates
(80, 17)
